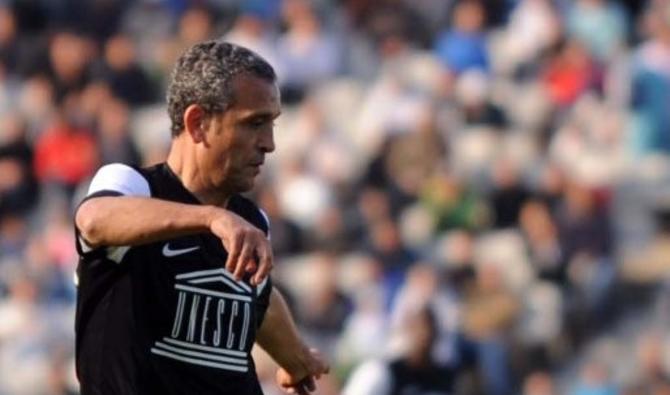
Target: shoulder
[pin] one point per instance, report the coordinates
(119, 178)
(248, 210)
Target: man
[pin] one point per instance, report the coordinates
(157, 311)
(414, 372)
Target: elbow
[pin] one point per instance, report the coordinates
(88, 224)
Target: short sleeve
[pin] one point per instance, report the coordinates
(267, 223)
(113, 180)
(119, 179)
(263, 291)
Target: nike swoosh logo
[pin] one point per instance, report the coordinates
(170, 253)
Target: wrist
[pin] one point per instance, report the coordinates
(211, 214)
(298, 366)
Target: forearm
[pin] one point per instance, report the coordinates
(126, 220)
(279, 337)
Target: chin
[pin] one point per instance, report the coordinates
(246, 186)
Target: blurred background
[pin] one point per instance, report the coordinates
(477, 188)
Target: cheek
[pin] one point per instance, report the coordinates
(239, 154)
(214, 162)
(229, 155)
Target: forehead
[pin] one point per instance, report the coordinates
(252, 94)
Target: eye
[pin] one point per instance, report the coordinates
(258, 123)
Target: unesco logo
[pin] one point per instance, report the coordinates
(213, 314)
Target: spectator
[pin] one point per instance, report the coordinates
(550, 185)
(472, 93)
(569, 73)
(464, 46)
(652, 368)
(8, 40)
(308, 53)
(424, 288)
(18, 187)
(542, 241)
(324, 313)
(195, 24)
(594, 380)
(651, 79)
(508, 195)
(123, 74)
(650, 264)
(330, 232)
(65, 153)
(113, 133)
(414, 370)
(452, 204)
(539, 383)
(412, 157)
(456, 250)
(36, 103)
(69, 58)
(385, 245)
(13, 236)
(584, 228)
(534, 26)
(252, 29)
(599, 24)
(22, 334)
(489, 313)
(366, 329)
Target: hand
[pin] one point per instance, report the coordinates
(245, 245)
(303, 381)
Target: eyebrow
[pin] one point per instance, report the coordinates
(262, 114)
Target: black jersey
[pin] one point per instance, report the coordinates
(165, 317)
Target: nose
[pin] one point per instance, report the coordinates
(267, 141)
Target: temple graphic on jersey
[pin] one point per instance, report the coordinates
(213, 313)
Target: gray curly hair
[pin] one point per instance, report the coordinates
(203, 75)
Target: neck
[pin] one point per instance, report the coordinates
(182, 161)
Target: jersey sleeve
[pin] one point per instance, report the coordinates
(118, 179)
(266, 219)
(113, 180)
(263, 291)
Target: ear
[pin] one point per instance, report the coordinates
(195, 123)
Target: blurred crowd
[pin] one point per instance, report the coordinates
(467, 197)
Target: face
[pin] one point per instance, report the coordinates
(236, 141)
(421, 333)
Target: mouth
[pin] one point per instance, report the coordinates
(256, 167)
(257, 164)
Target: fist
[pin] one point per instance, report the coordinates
(303, 382)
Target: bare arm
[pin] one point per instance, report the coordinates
(279, 337)
(129, 220)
